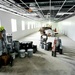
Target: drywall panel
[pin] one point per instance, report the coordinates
(6, 17)
(67, 27)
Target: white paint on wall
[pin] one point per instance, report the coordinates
(49, 23)
(67, 27)
(54, 25)
(0, 23)
(6, 17)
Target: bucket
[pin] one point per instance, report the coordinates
(16, 45)
(9, 38)
(13, 55)
(22, 53)
(30, 52)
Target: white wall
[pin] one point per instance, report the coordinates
(52, 23)
(67, 27)
(6, 17)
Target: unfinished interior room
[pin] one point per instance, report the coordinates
(37, 37)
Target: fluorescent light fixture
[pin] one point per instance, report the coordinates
(62, 13)
(32, 4)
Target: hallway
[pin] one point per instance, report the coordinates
(42, 63)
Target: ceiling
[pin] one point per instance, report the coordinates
(55, 10)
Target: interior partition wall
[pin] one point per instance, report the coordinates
(5, 20)
(67, 27)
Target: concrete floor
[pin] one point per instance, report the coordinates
(42, 63)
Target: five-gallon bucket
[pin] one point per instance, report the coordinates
(30, 52)
(22, 53)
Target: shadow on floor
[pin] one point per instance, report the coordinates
(68, 51)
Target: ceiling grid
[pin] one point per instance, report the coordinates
(54, 10)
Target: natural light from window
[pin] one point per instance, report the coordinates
(23, 25)
(13, 25)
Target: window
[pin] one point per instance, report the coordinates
(13, 25)
(23, 25)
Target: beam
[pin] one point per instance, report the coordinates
(61, 7)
